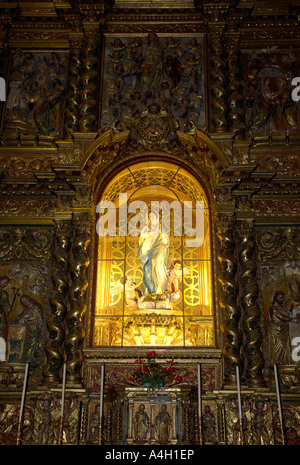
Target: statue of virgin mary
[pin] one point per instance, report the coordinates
(153, 252)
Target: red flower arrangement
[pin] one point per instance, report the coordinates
(153, 374)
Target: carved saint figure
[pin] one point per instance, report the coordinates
(141, 423)
(162, 425)
(31, 318)
(209, 426)
(278, 330)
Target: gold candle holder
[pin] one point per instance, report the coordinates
(60, 431)
(100, 432)
(19, 432)
(242, 431)
(200, 430)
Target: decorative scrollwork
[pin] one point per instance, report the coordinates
(25, 243)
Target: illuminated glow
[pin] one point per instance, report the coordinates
(181, 314)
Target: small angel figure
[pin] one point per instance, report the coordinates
(192, 81)
(185, 106)
(120, 73)
(117, 44)
(136, 103)
(175, 276)
(116, 104)
(191, 59)
(168, 98)
(116, 56)
(259, 420)
(171, 42)
(193, 43)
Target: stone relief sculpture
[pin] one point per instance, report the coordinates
(268, 74)
(36, 87)
(167, 72)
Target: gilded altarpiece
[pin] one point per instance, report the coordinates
(188, 105)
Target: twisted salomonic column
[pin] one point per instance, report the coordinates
(228, 301)
(73, 96)
(235, 102)
(79, 283)
(58, 304)
(89, 83)
(252, 313)
(217, 83)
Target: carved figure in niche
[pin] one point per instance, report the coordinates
(162, 425)
(69, 407)
(45, 407)
(293, 305)
(268, 91)
(141, 424)
(263, 105)
(209, 426)
(153, 252)
(233, 406)
(94, 423)
(278, 336)
(260, 411)
(31, 319)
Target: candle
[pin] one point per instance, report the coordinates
(279, 401)
(24, 391)
(239, 391)
(199, 391)
(101, 391)
(63, 391)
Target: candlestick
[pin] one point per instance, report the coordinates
(62, 406)
(279, 403)
(22, 404)
(101, 402)
(239, 402)
(200, 403)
